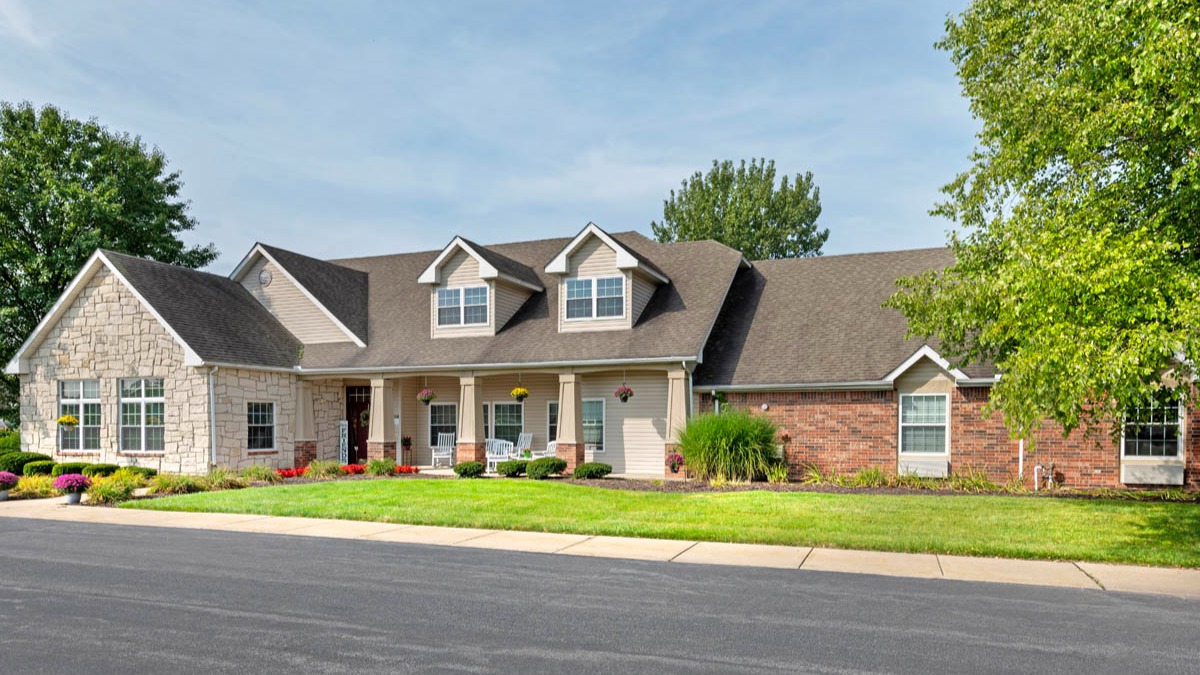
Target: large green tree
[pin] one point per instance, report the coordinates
(742, 207)
(68, 187)
(1078, 238)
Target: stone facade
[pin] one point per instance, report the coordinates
(106, 334)
(233, 389)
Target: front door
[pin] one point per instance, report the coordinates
(358, 411)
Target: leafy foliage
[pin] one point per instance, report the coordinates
(731, 445)
(381, 467)
(14, 462)
(69, 467)
(220, 478)
(540, 469)
(260, 473)
(42, 467)
(1078, 272)
(512, 468)
(321, 469)
(591, 470)
(67, 188)
(34, 487)
(177, 484)
(777, 473)
(110, 490)
(469, 469)
(10, 441)
(744, 209)
(95, 470)
(72, 482)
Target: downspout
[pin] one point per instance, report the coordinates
(1021, 460)
(691, 411)
(212, 420)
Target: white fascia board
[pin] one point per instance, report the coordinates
(925, 352)
(247, 261)
(865, 385)
(625, 259)
(432, 274)
(259, 250)
(190, 357)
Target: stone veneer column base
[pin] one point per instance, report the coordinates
(305, 452)
(571, 453)
(381, 450)
(470, 452)
(682, 474)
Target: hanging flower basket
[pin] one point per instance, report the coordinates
(426, 396)
(68, 421)
(674, 462)
(624, 393)
(519, 393)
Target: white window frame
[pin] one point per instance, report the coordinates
(592, 283)
(274, 426)
(141, 401)
(462, 306)
(429, 421)
(603, 424)
(1179, 434)
(80, 403)
(551, 436)
(901, 424)
(489, 428)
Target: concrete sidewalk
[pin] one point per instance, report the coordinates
(1096, 576)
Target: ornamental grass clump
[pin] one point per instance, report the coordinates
(34, 487)
(221, 478)
(110, 490)
(177, 484)
(731, 445)
(381, 467)
(260, 473)
(322, 469)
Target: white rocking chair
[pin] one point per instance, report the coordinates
(524, 441)
(444, 450)
(550, 451)
(497, 451)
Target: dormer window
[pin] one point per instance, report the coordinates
(596, 298)
(462, 306)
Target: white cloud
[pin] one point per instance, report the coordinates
(17, 21)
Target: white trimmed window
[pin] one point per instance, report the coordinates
(595, 298)
(552, 420)
(1153, 429)
(443, 419)
(143, 414)
(462, 306)
(593, 424)
(260, 425)
(81, 400)
(505, 421)
(924, 424)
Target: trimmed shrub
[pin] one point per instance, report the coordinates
(41, 467)
(146, 471)
(261, 473)
(592, 470)
(512, 468)
(99, 470)
(323, 468)
(732, 445)
(14, 462)
(110, 490)
(177, 484)
(469, 469)
(540, 469)
(381, 467)
(34, 487)
(69, 467)
(221, 478)
(10, 441)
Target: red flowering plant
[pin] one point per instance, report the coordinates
(298, 472)
(624, 393)
(354, 469)
(405, 468)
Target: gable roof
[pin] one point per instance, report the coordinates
(340, 293)
(492, 265)
(673, 325)
(627, 257)
(213, 318)
(819, 321)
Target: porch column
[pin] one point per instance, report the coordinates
(381, 435)
(471, 446)
(677, 407)
(570, 419)
(305, 449)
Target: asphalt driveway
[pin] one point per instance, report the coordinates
(79, 597)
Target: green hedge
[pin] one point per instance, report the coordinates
(542, 468)
(592, 470)
(42, 467)
(732, 445)
(146, 471)
(10, 441)
(469, 469)
(14, 462)
(512, 468)
(100, 470)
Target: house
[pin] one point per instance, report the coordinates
(291, 359)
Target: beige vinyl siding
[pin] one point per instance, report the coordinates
(410, 415)
(925, 377)
(641, 291)
(461, 270)
(542, 387)
(593, 259)
(446, 389)
(634, 432)
(288, 303)
(506, 299)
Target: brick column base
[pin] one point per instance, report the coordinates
(305, 452)
(381, 450)
(668, 449)
(470, 452)
(571, 453)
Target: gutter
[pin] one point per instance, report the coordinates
(298, 370)
(870, 385)
(212, 419)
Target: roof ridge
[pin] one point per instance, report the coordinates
(108, 251)
(854, 254)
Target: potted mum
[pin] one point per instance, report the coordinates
(674, 462)
(520, 393)
(68, 421)
(7, 481)
(426, 396)
(624, 393)
(73, 485)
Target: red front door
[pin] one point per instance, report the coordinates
(358, 407)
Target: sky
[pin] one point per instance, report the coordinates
(343, 129)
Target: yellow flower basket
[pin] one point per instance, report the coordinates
(68, 421)
(520, 393)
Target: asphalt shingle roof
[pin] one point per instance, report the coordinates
(505, 264)
(342, 291)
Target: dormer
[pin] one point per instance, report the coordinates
(474, 291)
(603, 284)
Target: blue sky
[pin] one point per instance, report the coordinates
(357, 128)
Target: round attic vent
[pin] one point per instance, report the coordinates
(264, 277)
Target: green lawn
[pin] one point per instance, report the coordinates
(1152, 533)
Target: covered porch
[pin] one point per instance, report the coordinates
(358, 419)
